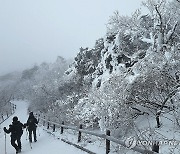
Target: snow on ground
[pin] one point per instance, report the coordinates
(50, 142)
(46, 143)
(168, 134)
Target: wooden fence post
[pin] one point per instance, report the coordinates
(2, 116)
(79, 134)
(44, 121)
(48, 126)
(13, 107)
(155, 147)
(54, 127)
(39, 117)
(62, 129)
(107, 142)
(7, 114)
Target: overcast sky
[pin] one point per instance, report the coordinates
(34, 31)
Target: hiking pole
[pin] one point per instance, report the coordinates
(30, 144)
(27, 138)
(26, 134)
(38, 131)
(29, 141)
(5, 143)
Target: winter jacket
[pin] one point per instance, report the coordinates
(16, 129)
(31, 122)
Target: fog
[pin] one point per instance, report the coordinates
(34, 31)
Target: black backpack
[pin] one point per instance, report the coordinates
(32, 122)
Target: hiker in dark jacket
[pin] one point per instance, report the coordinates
(31, 126)
(16, 130)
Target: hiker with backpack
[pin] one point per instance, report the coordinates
(31, 126)
(16, 130)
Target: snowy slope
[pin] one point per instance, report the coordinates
(46, 144)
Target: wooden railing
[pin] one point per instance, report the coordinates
(80, 130)
(7, 113)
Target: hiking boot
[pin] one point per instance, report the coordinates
(35, 140)
(18, 151)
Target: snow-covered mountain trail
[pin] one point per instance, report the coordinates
(46, 143)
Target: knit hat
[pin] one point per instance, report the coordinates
(31, 113)
(15, 118)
